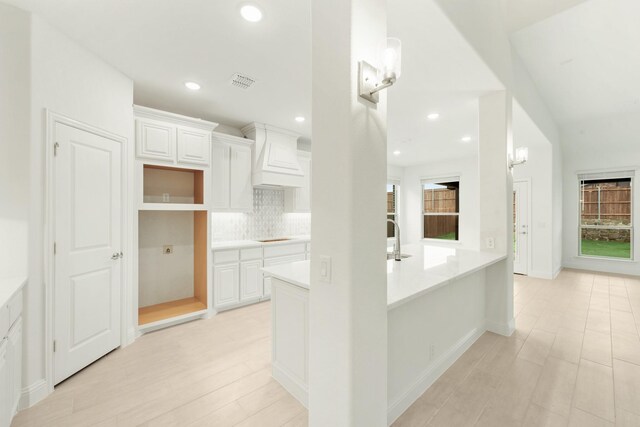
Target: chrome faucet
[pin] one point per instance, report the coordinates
(397, 253)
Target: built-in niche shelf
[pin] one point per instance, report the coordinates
(170, 186)
(172, 265)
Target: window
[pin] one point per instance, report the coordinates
(392, 208)
(606, 215)
(441, 209)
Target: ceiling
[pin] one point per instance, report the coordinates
(523, 13)
(585, 60)
(161, 44)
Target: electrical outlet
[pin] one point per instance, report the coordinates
(491, 243)
(166, 198)
(167, 249)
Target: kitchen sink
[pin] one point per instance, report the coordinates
(402, 256)
(284, 239)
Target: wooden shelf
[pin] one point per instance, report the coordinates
(171, 207)
(167, 310)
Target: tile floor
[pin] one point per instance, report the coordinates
(574, 360)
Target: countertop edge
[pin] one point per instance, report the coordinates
(286, 279)
(255, 244)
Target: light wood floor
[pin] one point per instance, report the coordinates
(574, 360)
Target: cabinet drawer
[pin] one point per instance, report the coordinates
(15, 307)
(283, 250)
(251, 253)
(284, 260)
(220, 257)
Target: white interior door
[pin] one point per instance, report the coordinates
(521, 227)
(88, 216)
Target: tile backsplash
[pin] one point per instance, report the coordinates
(267, 220)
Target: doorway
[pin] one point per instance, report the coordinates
(521, 227)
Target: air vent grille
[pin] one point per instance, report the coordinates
(242, 81)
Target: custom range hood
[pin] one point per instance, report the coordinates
(275, 156)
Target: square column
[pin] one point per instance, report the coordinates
(496, 206)
(348, 313)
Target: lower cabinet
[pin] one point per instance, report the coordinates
(10, 358)
(250, 280)
(5, 401)
(14, 361)
(225, 285)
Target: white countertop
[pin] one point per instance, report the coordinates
(9, 286)
(237, 244)
(429, 268)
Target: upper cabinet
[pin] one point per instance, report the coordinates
(172, 138)
(232, 190)
(299, 199)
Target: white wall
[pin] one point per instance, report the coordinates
(71, 81)
(607, 143)
(411, 198)
(14, 140)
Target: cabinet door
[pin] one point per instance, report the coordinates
(226, 284)
(194, 146)
(14, 363)
(241, 189)
(250, 280)
(220, 176)
(5, 410)
(155, 140)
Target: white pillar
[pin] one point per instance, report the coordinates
(348, 317)
(496, 206)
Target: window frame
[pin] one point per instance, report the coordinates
(604, 175)
(438, 180)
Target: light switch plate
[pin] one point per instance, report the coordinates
(325, 269)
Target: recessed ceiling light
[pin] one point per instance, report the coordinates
(299, 119)
(433, 116)
(251, 13)
(192, 85)
(466, 139)
(396, 153)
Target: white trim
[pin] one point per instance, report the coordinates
(431, 375)
(530, 220)
(33, 394)
(297, 389)
(505, 329)
(51, 118)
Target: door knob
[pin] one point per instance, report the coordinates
(116, 255)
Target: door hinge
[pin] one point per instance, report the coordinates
(54, 248)
(55, 148)
(54, 346)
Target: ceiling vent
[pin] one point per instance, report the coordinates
(242, 81)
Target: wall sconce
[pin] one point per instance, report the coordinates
(372, 80)
(522, 155)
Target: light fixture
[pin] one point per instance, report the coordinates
(192, 85)
(299, 119)
(251, 13)
(433, 116)
(522, 155)
(372, 80)
(396, 153)
(465, 138)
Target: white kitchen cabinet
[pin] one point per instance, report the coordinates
(226, 279)
(220, 176)
(250, 280)
(194, 146)
(155, 139)
(171, 138)
(14, 361)
(298, 200)
(231, 172)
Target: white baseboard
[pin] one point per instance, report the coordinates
(428, 377)
(297, 390)
(500, 328)
(557, 272)
(33, 394)
(541, 274)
